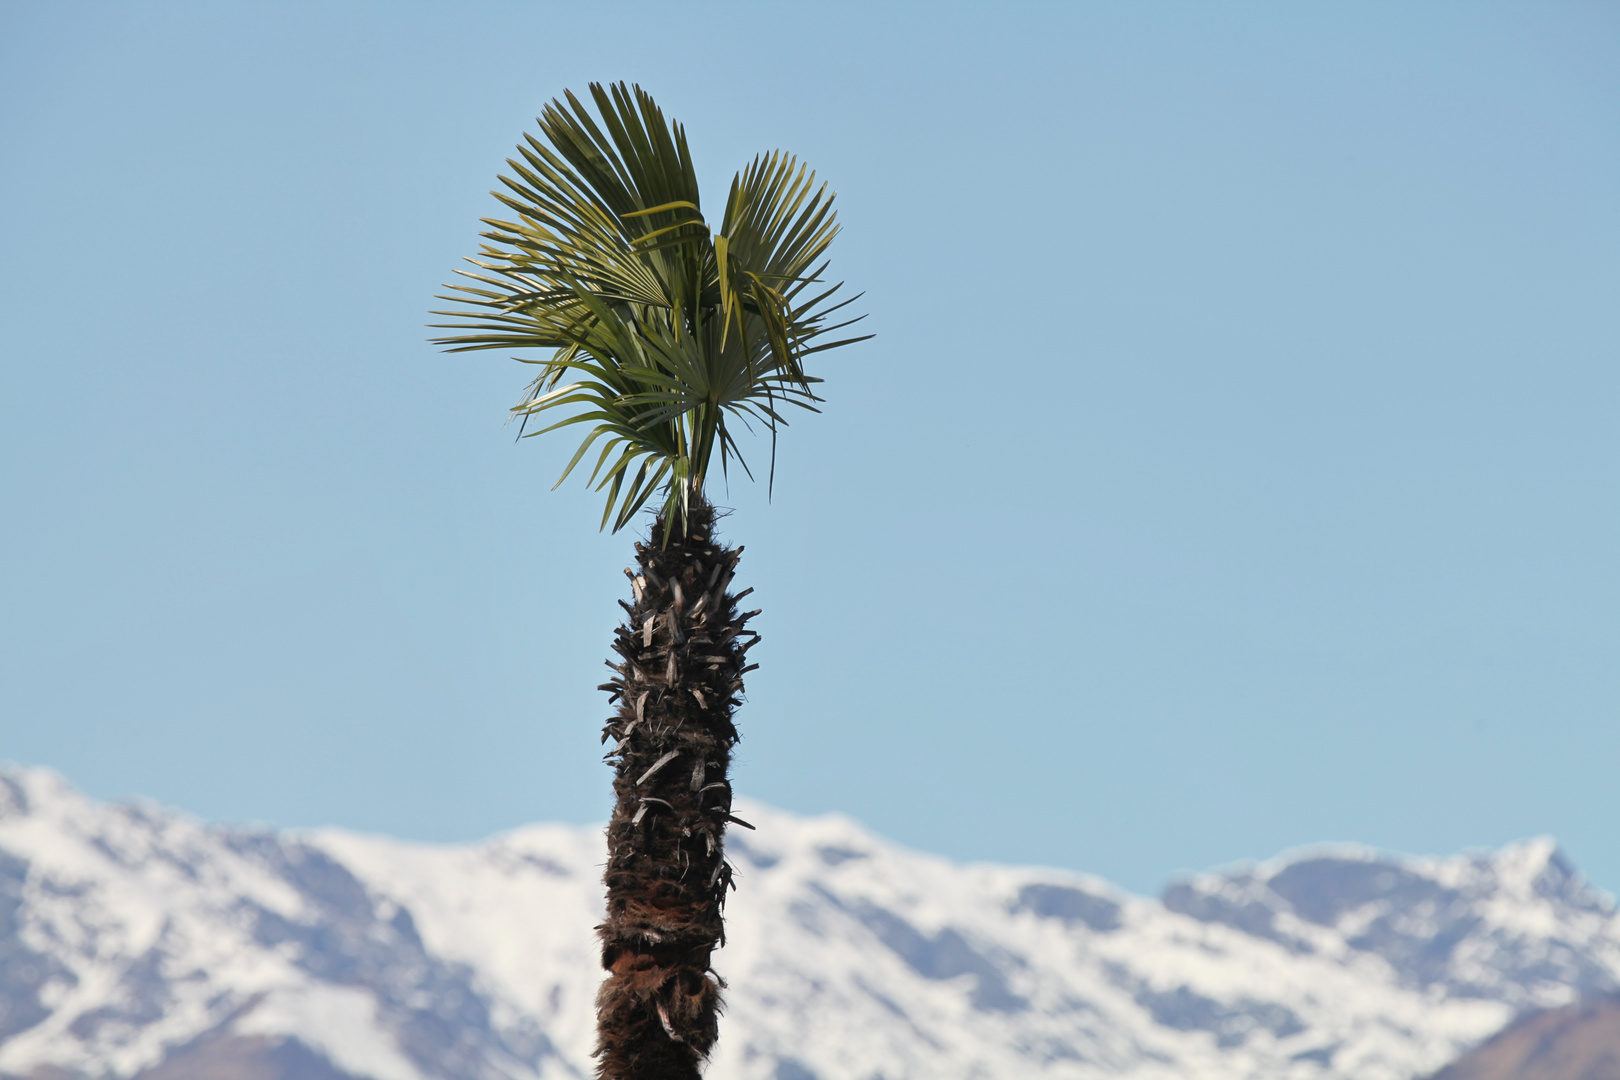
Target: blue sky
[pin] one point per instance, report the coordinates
(1235, 467)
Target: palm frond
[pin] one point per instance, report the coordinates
(666, 330)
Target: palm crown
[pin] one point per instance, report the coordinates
(666, 329)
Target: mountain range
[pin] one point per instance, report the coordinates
(137, 943)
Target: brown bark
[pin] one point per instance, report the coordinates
(681, 658)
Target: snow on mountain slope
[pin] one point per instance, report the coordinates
(131, 937)
(519, 910)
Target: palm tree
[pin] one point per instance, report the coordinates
(665, 333)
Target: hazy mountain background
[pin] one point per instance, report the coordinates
(137, 943)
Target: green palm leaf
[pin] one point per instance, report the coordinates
(663, 331)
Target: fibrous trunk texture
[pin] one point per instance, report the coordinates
(681, 658)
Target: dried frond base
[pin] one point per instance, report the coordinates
(682, 653)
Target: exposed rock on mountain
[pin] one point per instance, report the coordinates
(1576, 1042)
(139, 943)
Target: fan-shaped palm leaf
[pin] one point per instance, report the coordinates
(665, 330)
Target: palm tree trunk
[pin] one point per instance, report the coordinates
(679, 677)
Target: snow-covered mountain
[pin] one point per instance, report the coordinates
(135, 942)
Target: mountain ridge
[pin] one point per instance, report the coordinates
(134, 940)
(1573, 1042)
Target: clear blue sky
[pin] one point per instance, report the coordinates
(1236, 466)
